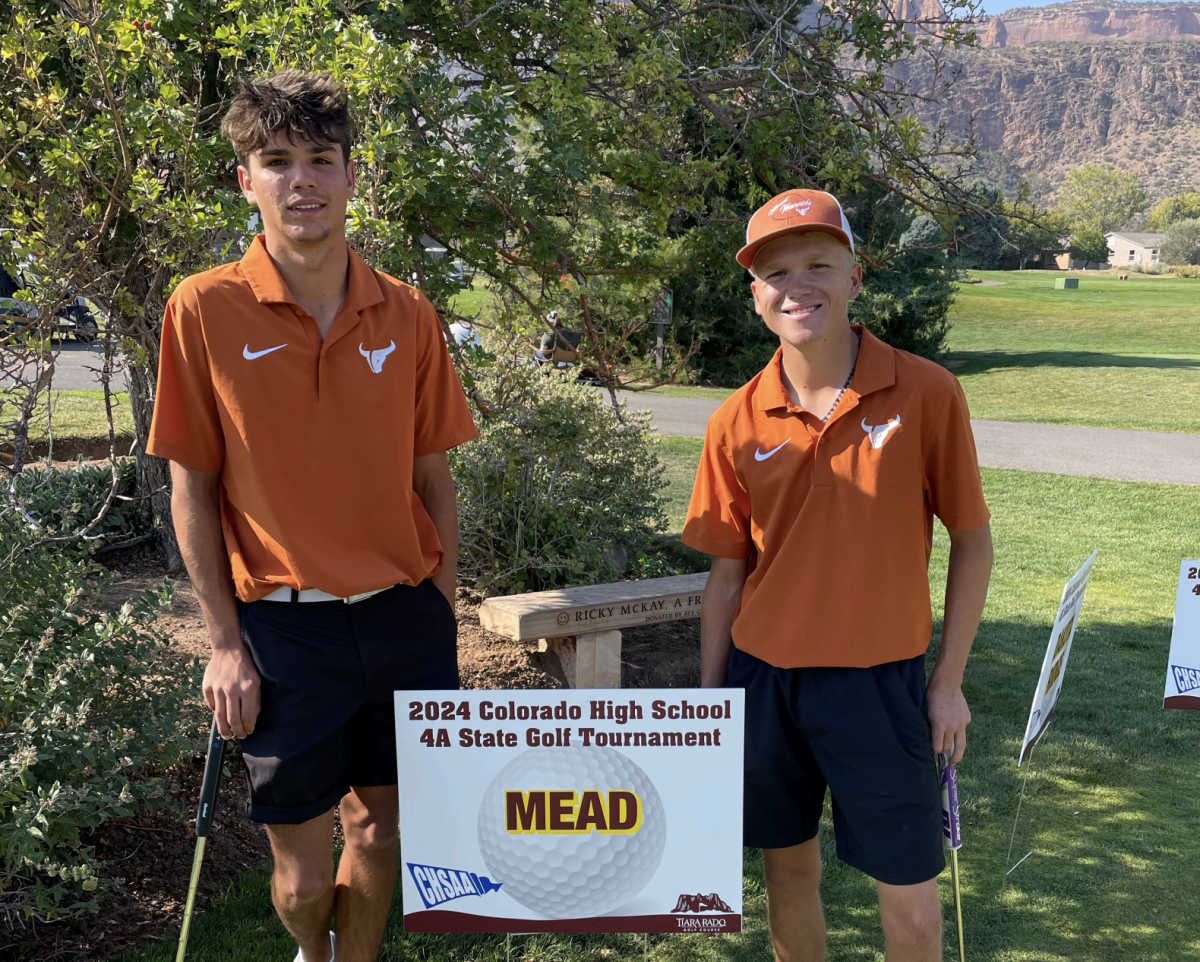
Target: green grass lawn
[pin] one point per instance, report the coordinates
(1100, 390)
(1120, 354)
(1023, 312)
(470, 301)
(1113, 801)
(80, 414)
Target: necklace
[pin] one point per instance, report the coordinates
(849, 377)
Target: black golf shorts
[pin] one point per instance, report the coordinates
(328, 672)
(864, 733)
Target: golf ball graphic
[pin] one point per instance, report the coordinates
(572, 831)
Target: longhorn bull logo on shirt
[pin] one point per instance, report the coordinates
(376, 358)
(878, 433)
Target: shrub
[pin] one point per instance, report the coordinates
(907, 305)
(64, 500)
(556, 490)
(1186, 270)
(1089, 245)
(1181, 244)
(88, 705)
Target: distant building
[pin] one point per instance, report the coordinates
(1133, 250)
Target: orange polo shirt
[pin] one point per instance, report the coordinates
(314, 438)
(837, 519)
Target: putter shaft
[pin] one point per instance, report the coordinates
(962, 951)
(204, 816)
(191, 897)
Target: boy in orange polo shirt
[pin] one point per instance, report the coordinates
(815, 495)
(306, 403)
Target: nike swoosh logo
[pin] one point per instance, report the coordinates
(250, 355)
(759, 456)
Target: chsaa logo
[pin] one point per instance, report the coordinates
(786, 207)
(437, 885)
(1186, 679)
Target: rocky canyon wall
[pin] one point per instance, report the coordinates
(1091, 22)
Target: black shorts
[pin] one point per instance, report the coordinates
(328, 672)
(864, 733)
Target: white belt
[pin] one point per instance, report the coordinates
(316, 594)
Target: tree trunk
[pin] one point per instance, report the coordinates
(153, 474)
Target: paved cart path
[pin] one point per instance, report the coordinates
(1056, 448)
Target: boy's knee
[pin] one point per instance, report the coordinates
(915, 922)
(371, 824)
(372, 835)
(793, 870)
(295, 888)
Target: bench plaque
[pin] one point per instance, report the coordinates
(582, 625)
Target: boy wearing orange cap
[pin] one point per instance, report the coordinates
(815, 495)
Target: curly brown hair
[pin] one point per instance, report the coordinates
(307, 106)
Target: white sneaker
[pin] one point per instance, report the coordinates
(332, 949)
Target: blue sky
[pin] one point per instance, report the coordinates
(999, 6)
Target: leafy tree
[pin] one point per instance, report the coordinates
(113, 184)
(1182, 243)
(577, 155)
(906, 295)
(1100, 198)
(1174, 209)
(907, 302)
(1089, 245)
(1032, 231)
(979, 234)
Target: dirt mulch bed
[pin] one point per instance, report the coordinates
(149, 857)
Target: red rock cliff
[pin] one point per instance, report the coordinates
(1089, 21)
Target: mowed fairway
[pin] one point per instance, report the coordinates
(1122, 354)
(1112, 804)
(1024, 312)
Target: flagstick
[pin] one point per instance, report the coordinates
(1012, 838)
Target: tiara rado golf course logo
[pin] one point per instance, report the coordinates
(570, 831)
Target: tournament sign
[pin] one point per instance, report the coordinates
(1183, 664)
(1045, 697)
(571, 810)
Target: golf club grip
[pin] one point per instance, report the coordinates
(212, 778)
(951, 819)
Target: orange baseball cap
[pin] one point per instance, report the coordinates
(791, 212)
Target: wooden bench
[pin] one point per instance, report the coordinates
(582, 626)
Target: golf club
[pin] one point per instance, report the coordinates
(952, 838)
(204, 816)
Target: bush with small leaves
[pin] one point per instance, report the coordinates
(64, 500)
(556, 490)
(89, 707)
(1181, 244)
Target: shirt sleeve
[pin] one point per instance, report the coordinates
(186, 426)
(952, 467)
(718, 517)
(442, 418)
